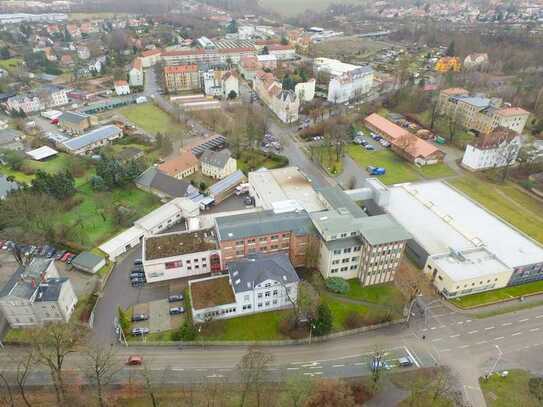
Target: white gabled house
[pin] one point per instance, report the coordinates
(496, 149)
(258, 283)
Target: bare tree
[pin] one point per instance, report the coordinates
(102, 365)
(150, 387)
(305, 303)
(252, 368)
(52, 343)
(6, 397)
(25, 364)
(297, 390)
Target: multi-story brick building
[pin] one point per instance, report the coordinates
(265, 232)
(479, 112)
(182, 78)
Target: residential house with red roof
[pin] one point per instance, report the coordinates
(284, 103)
(492, 150)
(182, 78)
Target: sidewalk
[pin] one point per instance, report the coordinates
(505, 306)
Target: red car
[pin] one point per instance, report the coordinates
(65, 257)
(134, 360)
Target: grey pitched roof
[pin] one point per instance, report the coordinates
(226, 183)
(102, 133)
(6, 186)
(73, 117)
(50, 290)
(23, 288)
(86, 261)
(262, 223)
(152, 178)
(216, 158)
(254, 270)
(128, 153)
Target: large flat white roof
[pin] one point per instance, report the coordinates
(274, 187)
(441, 218)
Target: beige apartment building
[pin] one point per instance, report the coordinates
(480, 113)
(182, 78)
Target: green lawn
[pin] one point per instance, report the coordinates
(151, 119)
(250, 160)
(327, 158)
(511, 390)
(506, 201)
(19, 176)
(506, 293)
(397, 169)
(10, 64)
(256, 327)
(387, 294)
(90, 227)
(341, 310)
(440, 170)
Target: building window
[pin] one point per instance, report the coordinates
(274, 302)
(335, 261)
(275, 292)
(344, 268)
(347, 250)
(239, 242)
(354, 258)
(263, 239)
(354, 267)
(333, 271)
(259, 295)
(259, 305)
(346, 260)
(267, 294)
(173, 264)
(356, 248)
(337, 251)
(274, 237)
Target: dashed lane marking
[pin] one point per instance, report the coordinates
(472, 332)
(534, 329)
(454, 336)
(539, 316)
(488, 328)
(293, 368)
(464, 346)
(437, 339)
(481, 342)
(338, 365)
(507, 323)
(524, 320)
(499, 338)
(516, 334)
(445, 350)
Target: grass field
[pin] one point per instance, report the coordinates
(250, 160)
(397, 169)
(93, 219)
(151, 119)
(387, 294)
(327, 158)
(506, 201)
(256, 327)
(10, 64)
(506, 293)
(511, 390)
(348, 49)
(341, 310)
(440, 170)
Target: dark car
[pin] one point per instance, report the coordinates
(60, 254)
(138, 267)
(138, 262)
(70, 258)
(177, 310)
(137, 274)
(175, 298)
(50, 252)
(139, 317)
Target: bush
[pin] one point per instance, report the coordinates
(535, 384)
(323, 324)
(187, 332)
(287, 327)
(124, 320)
(337, 285)
(354, 320)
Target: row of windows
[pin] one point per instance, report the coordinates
(343, 269)
(267, 303)
(263, 239)
(346, 260)
(347, 250)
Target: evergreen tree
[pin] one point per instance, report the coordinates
(323, 323)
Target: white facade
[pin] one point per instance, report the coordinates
(56, 98)
(219, 172)
(28, 104)
(476, 158)
(135, 77)
(306, 90)
(351, 85)
(220, 83)
(283, 54)
(150, 58)
(122, 88)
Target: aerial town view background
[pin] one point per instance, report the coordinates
(271, 203)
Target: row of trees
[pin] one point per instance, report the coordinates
(112, 173)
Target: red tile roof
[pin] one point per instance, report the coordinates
(385, 126)
(182, 162)
(151, 52)
(512, 111)
(455, 91)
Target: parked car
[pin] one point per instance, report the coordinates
(140, 331)
(175, 298)
(375, 170)
(376, 137)
(60, 254)
(369, 147)
(70, 258)
(64, 258)
(379, 364)
(50, 252)
(384, 143)
(138, 267)
(139, 317)
(137, 274)
(138, 262)
(405, 361)
(134, 360)
(177, 310)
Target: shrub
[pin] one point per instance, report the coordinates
(187, 332)
(535, 384)
(323, 324)
(354, 320)
(361, 393)
(288, 327)
(337, 285)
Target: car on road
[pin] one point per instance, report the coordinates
(376, 364)
(140, 331)
(70, 258)
(50, 252)
(177, 310)
(175, 298)
(139, 317)
(405, 361)
(134, 360)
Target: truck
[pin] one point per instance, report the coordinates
(242, 189)
(376, 170)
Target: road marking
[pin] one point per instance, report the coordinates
(454, 336)
(313, 374)
(177, 369)
(412, 357)
(464, 346)
(499, 338)
(359, 364)
(437, 339)
(338, 365)
(534, 329)
(460, 322)
(424, 330)
(539, 316)
(201, 370)
(315, 367)
(310, 364)
(524, 320)
(432, 328)
(442, 326)
(215, 375)
(445, 350)
(489, 328)
(516, 333)
(273, 368)
(468, 320)
(507, 323)
(472, 332)
(293, 368)
(480, 343)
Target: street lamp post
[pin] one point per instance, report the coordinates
(311, 326)
(500, 354)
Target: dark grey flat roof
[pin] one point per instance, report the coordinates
(263, 223)
(50, 290)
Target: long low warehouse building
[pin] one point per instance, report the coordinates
(445, 222)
